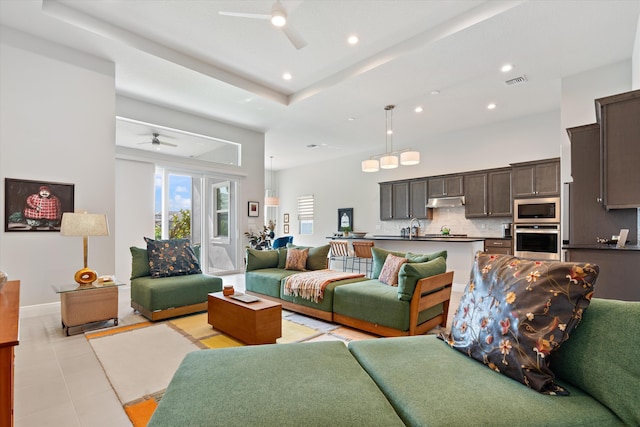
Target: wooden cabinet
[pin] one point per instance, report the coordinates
(9, 338)
(446, 186)
(588, 219)
(498, 246)
(618, 116)
(418, 200)
(394, 200)
(536, 179)
(488, 194)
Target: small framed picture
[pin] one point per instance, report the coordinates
(345, 219)
(286, 229)
(286, 218)
(254, 208)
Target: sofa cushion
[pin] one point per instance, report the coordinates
(515, 312)
(602, 356)
(410, 273)
(282, 257)
(173, 257)
(375, 302)
(430, 384)
(296, 259)
(317, 259)
(257, 260)
(300, 384)
(266, 281)
(139, 263)
(326, 303)
(176, 291)
(390, 270)
(380, 256)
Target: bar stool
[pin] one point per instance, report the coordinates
(340, 251)
(362, 254)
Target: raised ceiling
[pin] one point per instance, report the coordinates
(183, 54)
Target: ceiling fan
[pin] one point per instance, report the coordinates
(155, 141)
(278, 18)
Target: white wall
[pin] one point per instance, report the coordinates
(57, 124)
(635, 58)
(341, 184)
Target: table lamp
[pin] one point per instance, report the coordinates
(84, 224)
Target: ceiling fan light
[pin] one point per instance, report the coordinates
(371, 165)
(389, 162)
(278, 15)
(409, 158)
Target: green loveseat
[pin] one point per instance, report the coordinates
(415, 381)
(164, 297)
(419, 303)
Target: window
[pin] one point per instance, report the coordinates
(173, 205)
(221, 210)
(305, 214)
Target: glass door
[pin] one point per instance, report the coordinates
(221, 238)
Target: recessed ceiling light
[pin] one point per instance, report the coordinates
(435, 92)
(506, 68)
(353, 39)
(351, 119)
(491, 106)
(287, 76)
(418, 109)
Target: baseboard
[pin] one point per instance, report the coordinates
(39, 309)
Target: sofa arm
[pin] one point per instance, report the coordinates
(429, 292)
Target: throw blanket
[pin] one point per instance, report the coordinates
(310, 284)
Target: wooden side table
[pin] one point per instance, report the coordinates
(252, 323)
(82, 305)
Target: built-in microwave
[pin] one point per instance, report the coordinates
(536, 211)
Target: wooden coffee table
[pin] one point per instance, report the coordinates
(252, 323)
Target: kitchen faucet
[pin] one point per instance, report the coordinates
(411, 227)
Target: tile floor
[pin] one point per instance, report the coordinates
(58, 379)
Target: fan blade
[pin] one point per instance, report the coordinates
(168, 144)
(294, 37)
(245, 15)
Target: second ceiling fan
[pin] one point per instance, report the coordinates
(278, 18)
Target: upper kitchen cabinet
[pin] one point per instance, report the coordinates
(588, 219)
(394, 200)
(536, 179)
(488, 194)
(619, 119)
(418, 200)
(446, 186)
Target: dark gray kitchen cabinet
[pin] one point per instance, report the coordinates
(446, 186)
(488, 194)
(394, 200)
(588, 219)
(536, 179)
(418, 200)
(619, 119)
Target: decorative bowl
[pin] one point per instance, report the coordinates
(359, 233)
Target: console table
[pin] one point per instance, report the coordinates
(80, 305)
(9, 338)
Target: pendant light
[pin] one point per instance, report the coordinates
(270, 198)
(389, 159)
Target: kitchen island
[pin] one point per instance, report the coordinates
(460, 251)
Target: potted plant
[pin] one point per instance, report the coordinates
(346, 231)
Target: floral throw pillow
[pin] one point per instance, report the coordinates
(515, 312)
(296, 259)
(174, 257)
(390, 269)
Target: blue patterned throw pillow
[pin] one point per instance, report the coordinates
(515, 312)
(174, 257)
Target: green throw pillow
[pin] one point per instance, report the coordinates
(380, 255)
(257, 260)
(410, 273)
(139, 263)
(317, 259)
(282, 257)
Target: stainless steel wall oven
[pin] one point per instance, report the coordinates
(537, 241)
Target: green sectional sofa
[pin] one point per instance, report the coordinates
(415, 381)
(164, 297)
(419, 303)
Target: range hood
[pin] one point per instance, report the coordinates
(445, 202)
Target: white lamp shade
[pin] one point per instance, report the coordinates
(84, 224)
(409, 158)
(389, 162)
(370, 165)
(272, 201)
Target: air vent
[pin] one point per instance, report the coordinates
(516, 81)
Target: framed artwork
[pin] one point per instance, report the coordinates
(286, 218)
(286, 229)
(345, 219)
(36, 205)
(254, 208)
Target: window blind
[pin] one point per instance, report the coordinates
(305, 207)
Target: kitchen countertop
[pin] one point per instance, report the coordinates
(603, 247)
(415, 239)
